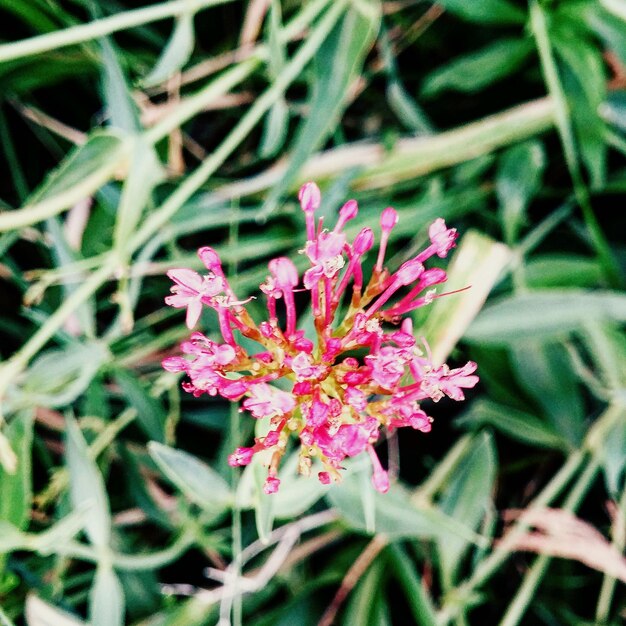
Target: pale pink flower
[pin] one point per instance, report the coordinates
(266, 401)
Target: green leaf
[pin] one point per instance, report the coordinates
(335, 67)
(362, 606)
(613, 457)
(493, 12)
(394, 514)
(297, 493)
(175, 54)
(120, 106)
(466, 498)
(415, 594)
(87, 487)
(144, 174)
(562, 270)
(475, 71)
(585, 88)
(274, 129)
(517, 424)
(544, 315)
(151, 415)
(59, 376)
(520, 171)
(195, 479)
(16, 489)
(106, 599)
(544, 371)
(406, 108)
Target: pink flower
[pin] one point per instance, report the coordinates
(189, 291)
(266, 401)
(344, 382)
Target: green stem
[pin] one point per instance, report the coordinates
(535, 574)
(607, 590)
(129, 562)
(563, 124)
(101, 28)
(164, 214)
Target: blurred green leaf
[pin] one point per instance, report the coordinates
(493, 12)
(175, 54)
(585, 86)
(362, 605)
(396, 517)
(545, 373)
(199, 482)
(119, 103)
(297, 493)
(613, 458)
(144, 173)
(335, 66)
(466, 497)
(151, 414)
(106, 599)
(544, 314)
(87, 488)
(403, 570)
(474, 71)
(59, 376)
(562, 270)
(517, 424)
(16, 489)
(274, 129)
(518, 179)
(406, 108)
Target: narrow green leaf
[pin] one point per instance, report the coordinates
(87, 487)
(475, 71)
(466, 498)
(195, 479)
(16, 489)
(395, 516)
(59, 376)
(106, 599)
(119, 103)
(362, 606)
(492, 12)
(151, 415)
(143, 175)
(613, 457)
(545, 314)
(562, 270)
(175, 54)
(274, 129)
(517, 424)
(403, 569)
(406, 109)
(519, 175)
(545, 373)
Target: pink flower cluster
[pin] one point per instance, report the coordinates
(360, 373)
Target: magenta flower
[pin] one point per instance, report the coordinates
(338, 402)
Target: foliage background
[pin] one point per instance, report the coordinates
(133, 133)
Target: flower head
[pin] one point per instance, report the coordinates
(338, 402)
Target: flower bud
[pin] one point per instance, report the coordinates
(284, 272)
(388, 219)
(310, 197)
(348, 211)
(363, 241)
